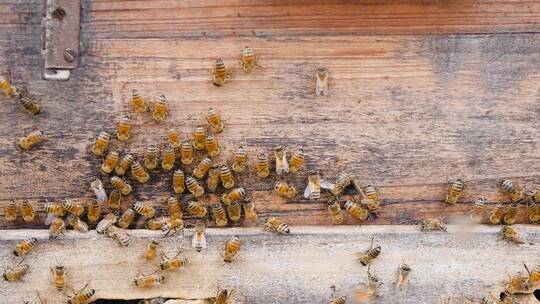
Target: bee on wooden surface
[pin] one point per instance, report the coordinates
(219, 215)
(172, 226)
(433, 224)
(161, 107)
(371, 291)
(512, 190)
(477, 209)
(53, 210)
(59, 274)
(284, 189)
(33, 138)
(144, 209)
(57, 228)
(248, 60)
(335, 212)
(240, 158)
(534, 276)
(338, 300)
(123, 128)
(27, 211)
(194, 187)
(403, 270)
(199, 138)
(15, 273)
(369, 255)
(282, 166)
(212, 145)
(10, 211)
(178, 181)
(107, 221)
(496, 214)
(77, 224)
(137, 102)
(221, 73)
(226, 177)
(24, 247)
(30, 105)
(343, 181)
(175, 263)
(110, 161)
(169, 158)
(153, 301)
(151, 250)
(118, 234)
(315, 183)
(249, 208)
(73, 208)
(372, 194)
(139, 173)
(262, 165)
(124, 164)
(232, 246)
(174, 208)
(196, 208)
(510, 214)
(186, 152)
(234, 210)
(510, 234)
(296, 161)
(356, 211)
(454, 192)
(222, 296)
(83, 296)
(517, 284)
(202, 168)
(175, 140)
(490, 299)
(198, 242)
(155, 223)
(8, 89)
(94, 211)
(147, 281)
(321, 88)
(115, 197)
(213, 179)
(533, 210)
(234, 195)
(535, 196)
(101, 143)
(127, 218)
(151, 158)
(97, 187)
(369, 204)
(274, 224)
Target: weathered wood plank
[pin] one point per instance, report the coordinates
(300, 268)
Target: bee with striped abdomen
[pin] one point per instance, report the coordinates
(234, 210)
(172, 226)
(169, 158)
(110, 161)
(222, 296)
(194, 187)
(369, 255)
(510, 214)
(15, 273)
(284, 189)
(199, 138)
(174, 208)
(8, 89)
(226, 177)
(127, 218)
(240, 158)
(454, 191)
(94, 211)
(232, 246)
(107, 221)
(433, 224)
(321, 88)
(274, 224)
(151, 157)
(24, 247)
(118, 234)
(477, 209)
(213, 179)
(198, 242)
(296, 161)
(101, 143)
(212, 146)
(202, 168)
(161, 107)
(186, 152)
(139, 173)
(234, 195)
(373, 195)
(196, 208)
(510, 234)
(10, 211)
(282, 166)
(124, 164)
(155, 223)
(29, 104)
(496, 214)
(123, 128)
(249, 208)
(335, 212)
(53, 210)
(33, 138)
(151, 250)
(533, 210)
(248, 60)
(27, 211)
(343, 181)
(57, 228)
(73, 208)
(77, 223)
(338, 300)
(512, 190)
(138, 102)
(59, 273)
(219, 215)
(175, 263)
(262, 166)
(315, 183)
(214, 120)
(115, 198)
(83, 296)
(147, 281)
(221, 73)
(178, 181)
(175, 140)
(144, 209)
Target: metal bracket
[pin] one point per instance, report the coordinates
(61, 30)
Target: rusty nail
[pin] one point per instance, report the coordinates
(59, 13)
(70, 55)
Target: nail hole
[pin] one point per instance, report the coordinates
(59, 13)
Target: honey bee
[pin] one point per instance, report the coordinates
(151, 160)
(535, 196)
(169, 158)
(234, 195)
(510, 234)
(232, 246)
(199, 138)
(372, 194)
(335, 212)
(338, 300)
(10, 211)
(124, 164)
(281, 160)
(110, 161)
(175, 263)
(369, 255)
(490, 299)
(226, 177)
(517, 284)
(114, 199)
(296, 161)
(15, 273)
(147, 281)
(262, 166)
(343, 181)
(175, 140)
(83, 296)
(315, 183)
(196, 208)
(221, 73)
(94, 211)
(194, 187)
(534, 212)
(212, 182)
(512, 190)
(240, 157)
(433, 224)
(172, 226)
(202, 168)
(73, 208)
(121, 236)
(322, 82)
(151, 249)
(53, 210)
(284, 189)
(57, 228)
(101, 143)
(219, 215)
(127, 218)
(123, 128)
(248, 60)
(356, 211)
(186, 152)
(534, 276)
(174, 208)
(77, 224)
(477, 210)
(403, 270)
(138, 102)
(97, 187)
(59, 274)
(144, 209)
(454, 192)
(161, 107)
(107, 221)
(9, 90)
(510, 214)
(369, 204)
(27, 211)
(33, 138)
(496, 215)
(249, 209)
(155, 223)
(274, 224)
(198, 242)
(222, 296)
(30, 105)
(139, 173)
(24, 247)
(371, 291)
(212, 145)
(178, 181)
(234, 210)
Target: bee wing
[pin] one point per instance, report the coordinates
(325, 184)
(308, 190)
(50, 218)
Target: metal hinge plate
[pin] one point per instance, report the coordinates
(61, 38)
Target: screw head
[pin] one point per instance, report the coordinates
(70, 55)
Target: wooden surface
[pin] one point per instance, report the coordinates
(300, 268)
(420, 92)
